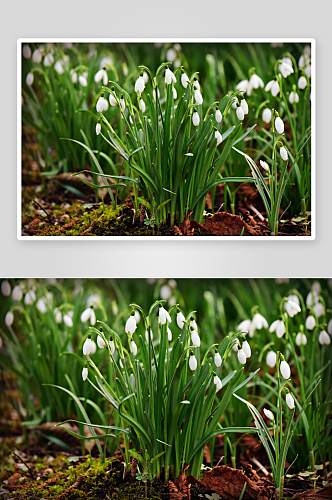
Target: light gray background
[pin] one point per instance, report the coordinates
(179, 258)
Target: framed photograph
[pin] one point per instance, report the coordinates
(166, 138)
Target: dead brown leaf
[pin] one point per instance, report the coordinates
(321, 494)
(225, 224)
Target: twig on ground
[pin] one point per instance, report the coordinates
(24, 462)
(259, 465)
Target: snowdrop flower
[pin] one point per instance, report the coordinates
(241, 356)
(87, 314)
(112, 346)
(101, 75)
(131, 324)
(37, 56)
(93, 347)
(9, 318)
(246, 349)
(6, 288)
(170, 54)
(192, 363)
(311, 298)
(218, 383)
(142, 104)
(264, 165)
(98, 128)
(218, 136)
(58, 315)
(102, 104)
(283, 153)
(30, 298)
(17, 293)
(122, 103)
(254, 82)
(218, 116)
(244, 325)
(48, 60)
(169, 76)
(134, 347)
(112, 100)
(169, 334)
(59, 68)
(41, 306)
(316, 287)
(194, 325)
(271, 359)
(301, 339)
(85, 373)
(140, 84)
(308, 71)
(180, 319)
(290, 401)
(240, 113)
(198, 97)
(184, 80)
(195, 338)
(74, 76)
(26, 52)
(196, 84)
(196, 119)
(293, 97)
(259, 322)
(83, 81)
(301, 61)
(164, 316)
(279, 124)
(285, 369)
(268, 414)
(67, 320)
(235, 103)
(244, 106)
(324, 338)
(165, 292)
(217, 359)
(87, 347)
(318, 309)
(273, 85)
(302, 82)
(242, 85)
(29, 79)
(329, 327)
(266, 115)
(147, 335)
(175, 94)
(292, 307)
(310, 322)
(145, 77)
(285, 69)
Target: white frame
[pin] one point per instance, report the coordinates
(312, 41)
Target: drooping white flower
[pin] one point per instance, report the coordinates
(98, 128)
(285, 69)
(235, 103)
(217, 359)
(246, 349)
(164, 316)
(17, 293)
(279, 124)
(239, 113)
(244, 106)
(145, 77)
(301, 339)
(264, 165)
(266, 115)
(87, 314)
(142, 104)
(9, 318)
(324, 338)
(180, 319)
(37, 56)
(310, 322)
(169, 334)
(218, 116)
(140, 84)
(74, 76)
(87, 347)
(218, 136)
(147, 335)
(242, 85)
(84, 373)
(268, 414)
(165, 292)
(283, 153)
(59, 68)
(100, 342)
(302, 82)
(308, 71)
(259, 322)
(192, 363)
(329, 327)
(122, 104)
(112, 346)
(175, 94)
(244, 326)
(131, 324)
(68, 320)
(195, 119)
(271, 359)
(26, 51)
(195, 338)
(198, 97)
(241, 356)
(255, 82)
(169, 76)
(292, 308)
(112, 100)
(83, 81)
(318, 309)
(218, 383)
(196, 84)
(170, 54)
(29, 79)
(290, 401)
(41, 306)
(294, 97)
(48, 60)
(101, 104)
(275, 89)
(6, 288)
(184, 80)
(30, 298)
(285, 369)
(134, 347)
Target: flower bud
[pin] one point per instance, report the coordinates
(195, 338)
(283, 153)
(271, 359)
(218, 383)
(264, 165)
(142, 104)
(300, 339)
(198, 97)
(246, 349)
(241, 356)
(240, 113)
(290, 401)
(217, 359)
(37, 56)
(196, 119)
(26, 51)
(184, 80)
(134, 347)
(140, 84)
(67, 320)
(244, 106)
(329, 327)
(30, 298)
(29, 79)
(98, 128)
(310, 322)
(324, 338)
(87, 347)
(180, 319)
(9, 318)
(6, 288)
(83, 81)
(100, 342)
(112, 346)
(218, 136)
(218, 116)
(285, 369)
(266, 115)
(84, 373)
(279, 124)
(302, 82)
(268, 414)
(192, 363)
(131, 324)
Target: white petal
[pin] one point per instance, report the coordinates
(241, 356)
(239, 113)
(268, 413)
(130, 325)
(84, 373)
(6, 288)
(17, 293)
(218, 383)
(218, 116)
(67, 320)
(29, 79)
(279, 124)
(285, 370)
(134, 348)
(290, 401)
(85, 315)
(192, 363)
(184, 80)
(100, 342)
(302, 82)
(9, 318)
(41, 306)
(246, 349)
(87, 347)
(196, 119)
(271, 359)
(281, 329)
(310, 322)
(198, 97)
(180, 319)
(266, 115)
(217, 359)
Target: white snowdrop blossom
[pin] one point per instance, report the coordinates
(74, 76)
(184, 80)
(218, 116)
(164, 316)
(84, 373)
(310, 322)
(37, 56)
(89, 313)
(268, 414)
(100, 342)
(329, 327)
(165, 292)
(169, 334)
(242, 85)
(170, 54)
(324, 338)
(318, 309)
(218, 136)
(113, 101)
(140, 84)
(101, 75)
(196, 84)
(87, 347)
(98, 128)
(142, 104)
(195, 338)
(17, 293)
(244, 106)
(83, 81)
(316, 287)
(198, 97)
(285, 69)
(246, 349)
(279, 124)
(302, 82)
(312, 297)
(102, 104)
(175, 94)
(195, 119)
(41, 306)
(192, 363)
(169, 76)
(244, 326)
(217, 359)
(290, 401)
(30, 298)
(241, 356)
(300, 339)
(112, 346)
(292, 307)
(6, 288)
(259, 322)
(59, 68)
(180, 319)
(266, 115)
(122, 104)
(9, 318)
(26, 51)
(308, 71)
(29, 79)
(48, 60)
(240, 113)
(271, 359)
(134, 347)
(285, 369)
(254, 82)
(293, 97)
(218, 383)
(67, 320)
(264, 165)
(283, 153)
(131, 324)
(194, 325)
(145, 77)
